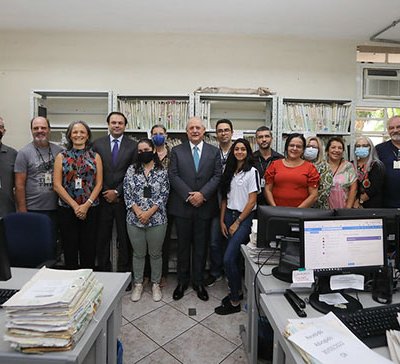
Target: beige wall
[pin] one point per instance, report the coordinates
(166, 64)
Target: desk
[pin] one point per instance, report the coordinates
(98, 344)
(278, 311)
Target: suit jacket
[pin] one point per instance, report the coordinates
(184, 179)
(113, 176)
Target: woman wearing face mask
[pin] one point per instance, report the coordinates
(159, 138)
(314, 153)
(146, 189)
(370, 175)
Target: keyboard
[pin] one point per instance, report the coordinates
(370, 324)
(6, 294)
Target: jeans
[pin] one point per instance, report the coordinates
(217, 248)
(232, 253)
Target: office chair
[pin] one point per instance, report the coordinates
(30, 240)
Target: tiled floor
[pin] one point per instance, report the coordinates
(163, 332)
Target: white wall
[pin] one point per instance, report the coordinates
(166, 64)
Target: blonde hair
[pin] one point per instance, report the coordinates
(320, 156)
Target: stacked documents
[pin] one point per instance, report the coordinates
(52, 311)
(327, 340)
(393, 339)
(261, 255)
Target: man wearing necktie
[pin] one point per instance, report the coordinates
(117, 151)
(194, 173)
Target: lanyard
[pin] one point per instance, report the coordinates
(48, 164)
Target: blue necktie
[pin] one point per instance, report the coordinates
(196, 157)
(114, 153)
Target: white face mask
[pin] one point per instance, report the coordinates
(310, 153)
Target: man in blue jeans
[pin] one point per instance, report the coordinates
(224, 131)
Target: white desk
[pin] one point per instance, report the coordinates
(278, 311)
(98, 345)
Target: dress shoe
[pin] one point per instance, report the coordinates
(201, 292)
(179, 291)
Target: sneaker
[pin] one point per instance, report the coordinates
(227, 309)
(157, 294)
(227, 298)
(137, 292)
(210, 281)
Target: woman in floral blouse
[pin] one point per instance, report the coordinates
(146, 189)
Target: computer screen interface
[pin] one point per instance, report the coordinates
(343, 244)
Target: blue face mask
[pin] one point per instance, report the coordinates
(158, 139)
(310, 154)
(361, 152)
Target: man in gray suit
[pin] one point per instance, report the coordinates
(117, 152)
(194, 173)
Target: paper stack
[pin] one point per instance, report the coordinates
(327, 340)
(393, 339)
(266, 255)
(52, 311)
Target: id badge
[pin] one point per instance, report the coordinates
(48, 178)
(78, 183)
(262, 182)
(396, 164)
(147, 192)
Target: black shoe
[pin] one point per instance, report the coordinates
(227, 299)
(129, 288)
(227, 309)
(211, 280)
(179, 291)
(201, 292)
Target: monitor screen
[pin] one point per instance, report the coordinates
(277, 222)
(343, 245)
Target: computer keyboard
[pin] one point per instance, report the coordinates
(370, 324)
(6, 294)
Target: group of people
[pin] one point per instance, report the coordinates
(209, 192)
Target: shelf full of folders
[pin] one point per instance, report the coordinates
(319, 117)
(143, 112)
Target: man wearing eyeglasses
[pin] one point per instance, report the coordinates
(224, 132)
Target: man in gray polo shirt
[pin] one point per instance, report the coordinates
(34, 172)
(7, 160)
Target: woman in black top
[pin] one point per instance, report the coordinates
(370, 174)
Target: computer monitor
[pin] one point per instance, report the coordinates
(392, 227)
(277, 222)
(5, 271)
(341, 245)
(279, 227)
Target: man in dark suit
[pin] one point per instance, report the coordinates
(117, 152)
(194, 173)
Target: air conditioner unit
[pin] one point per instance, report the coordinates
(381, 83)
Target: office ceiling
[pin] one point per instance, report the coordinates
(326, 19)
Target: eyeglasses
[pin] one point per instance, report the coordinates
(221, 131)
(362, 145)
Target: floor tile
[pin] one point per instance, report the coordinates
(200, 345)
(136, 345)
(203, 308)
(164, 324)
(219, 290)
(133, 310)
(160, 356)
(227, 326)
(237, 357)
(124, 321)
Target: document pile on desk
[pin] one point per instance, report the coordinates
(261, 255)
(52, 311)
(327, 340)
(393, 339)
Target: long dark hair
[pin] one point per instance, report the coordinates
(157, 164)
(231, 165)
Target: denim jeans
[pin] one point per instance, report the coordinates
(232, 253)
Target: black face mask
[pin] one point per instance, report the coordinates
(145, 157)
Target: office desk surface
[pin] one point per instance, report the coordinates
(278, 311)
(101, 331)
